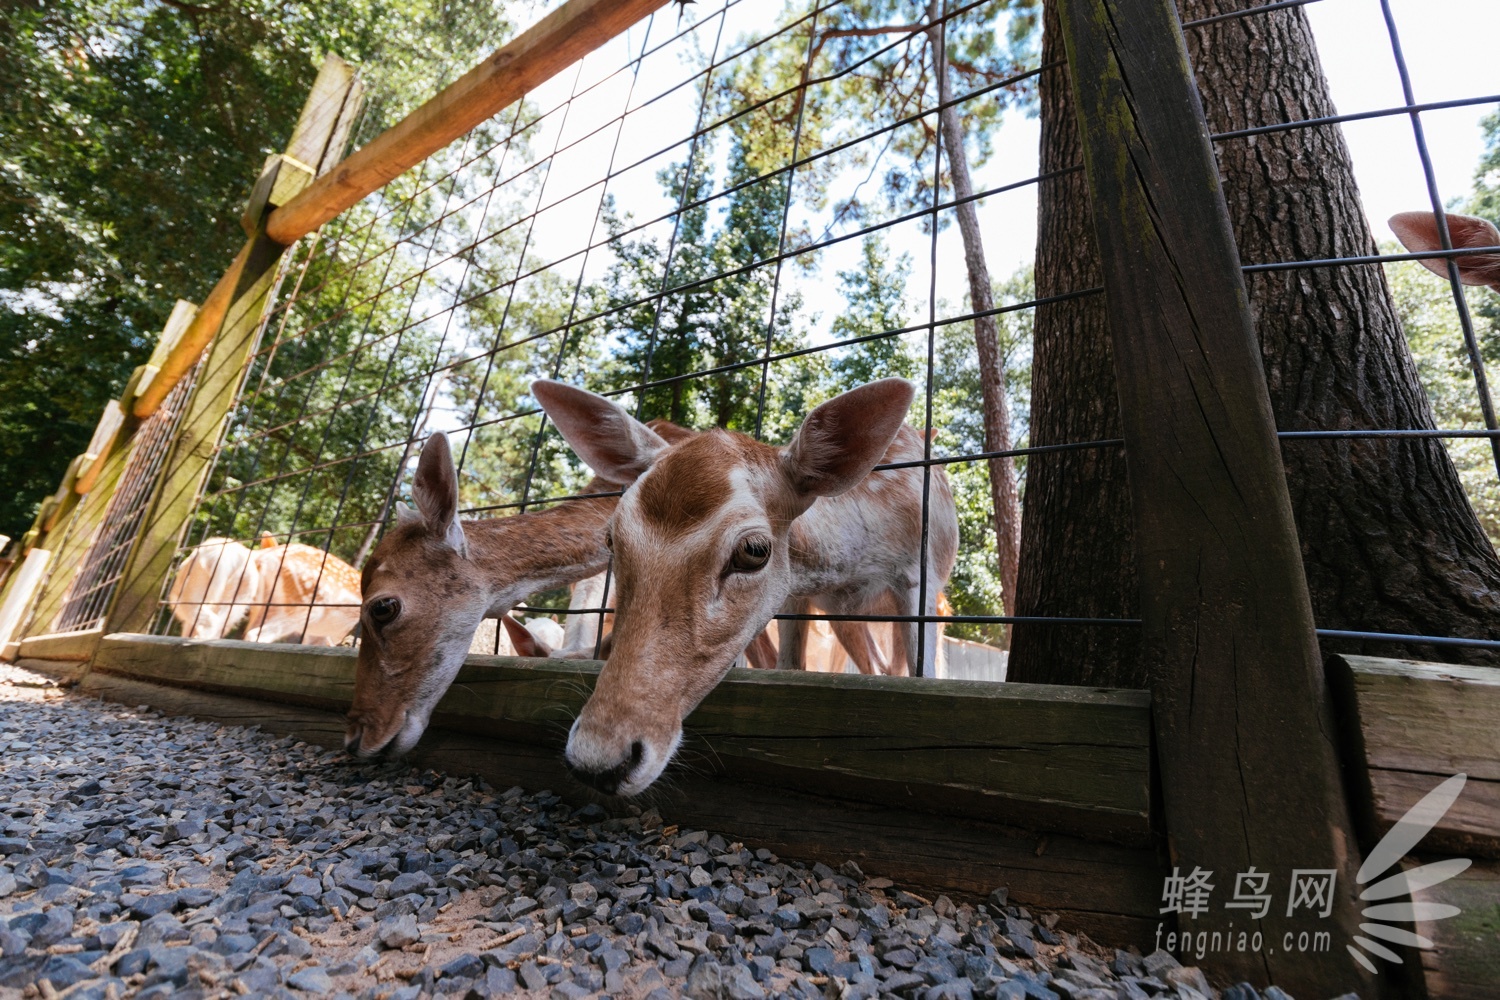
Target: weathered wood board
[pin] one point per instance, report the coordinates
(74, 647)
(1464, 962)
(1064, 760)
(1106, 890)
(1249, 767)
(1414, 725)
(73, 548)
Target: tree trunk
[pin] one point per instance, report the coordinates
(1004, 492)
(1078, 559)
(1389, 540)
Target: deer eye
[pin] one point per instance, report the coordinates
(384, 610)
(751, 554)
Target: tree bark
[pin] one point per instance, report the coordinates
(1077, 556)
(1004, 491)
(1389, 540)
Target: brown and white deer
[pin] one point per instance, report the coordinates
(212, 588)
(434, 578)
(717, 533)
(300, 593)
(1418, 232)
(288, 593)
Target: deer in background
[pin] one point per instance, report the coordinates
(715, 534)
(1418, 232)
(301, 594)
(288, 593)
(213, 587)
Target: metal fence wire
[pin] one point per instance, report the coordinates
(92, 587)
(718, 218)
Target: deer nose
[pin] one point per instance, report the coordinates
(608, 780)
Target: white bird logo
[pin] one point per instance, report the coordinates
(1395, 845)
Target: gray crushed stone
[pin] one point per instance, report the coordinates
(153, 857)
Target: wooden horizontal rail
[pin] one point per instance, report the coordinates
(1048, 759)
(526, 61)
(1408, 727)
(68, 646)
(1414, 725)
(189, 347)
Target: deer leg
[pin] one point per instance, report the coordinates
(761, 653)
(791, 652)
(915, 633)
(582, 631)
(866, 653)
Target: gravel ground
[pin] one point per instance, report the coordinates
(156, 857)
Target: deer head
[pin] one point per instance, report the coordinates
(422, 602)
(1418, 232)
(700, 544)
(432, 579)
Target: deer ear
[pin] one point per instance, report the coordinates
(435, 489)
(843, 439)
(524, 643)
(1418, 232)
(618, 447)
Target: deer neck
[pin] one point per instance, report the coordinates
(525, 553)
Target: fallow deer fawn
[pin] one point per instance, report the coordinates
(300, 594)
(210, 592)
(715, 535)
(433, 579)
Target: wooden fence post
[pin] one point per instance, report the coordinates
(1248, 762)
(226, 325)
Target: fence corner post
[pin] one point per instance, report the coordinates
(223, 335)
(1249, 767)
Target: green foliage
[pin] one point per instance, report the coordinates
(712, 323)
(974, 588)
(130, 133)
(1424, 303)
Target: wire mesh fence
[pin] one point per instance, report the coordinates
(89, 592)
(720, 219)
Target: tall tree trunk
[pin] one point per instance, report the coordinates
(1004, 492)
(1078, 559)
(1389, 540)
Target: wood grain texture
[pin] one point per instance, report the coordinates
(1249, 768)
(1412, 725)
(1108, 891)
(73, 546)
(505, 76)
(323, 126)
(72, 646)
(1067, 760)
